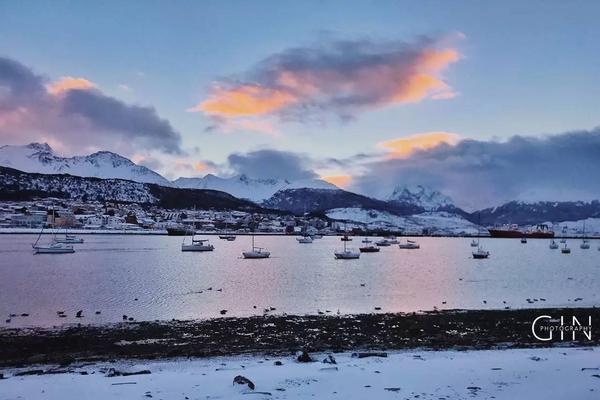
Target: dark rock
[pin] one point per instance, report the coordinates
(369, 354)
(130, 319)
(278, 363)
(113, 372)
(392, 389)
(98, 312)
(24, 315)
(223, 312)
(242, 380)
(79, 314)
(8, 321)
(304, 357)
(30, 372)
(377, 308)
(124, 317)
(329, 360)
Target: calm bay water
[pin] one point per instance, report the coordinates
(148, 278)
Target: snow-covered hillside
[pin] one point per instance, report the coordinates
(244, 187)
(40, 158)
(434, 222)
(419, 195)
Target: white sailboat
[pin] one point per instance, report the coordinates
(409, 245)
(392, 239)
(553, 245)
(197, 245)
(480, 253)
(256, 252)
(474, 243)
(585, 244)
(53, 247)
(346, 254)
(304, 239)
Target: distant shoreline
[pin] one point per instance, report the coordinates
(48, 231)
(452, 329)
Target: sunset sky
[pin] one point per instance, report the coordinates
(341, 90)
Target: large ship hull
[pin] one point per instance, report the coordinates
(515, 234)
(179, 231)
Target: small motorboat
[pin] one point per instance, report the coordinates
(304, 240)
(256, 252)
(553, 245)
(474, 243)
(523, 240)
(228, 237)
(410, 245)
(565, 249)
(53, 248)
(383, 243)
(369, 249)
(366, 240)
(197, 245)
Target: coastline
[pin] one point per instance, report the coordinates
(284, 334)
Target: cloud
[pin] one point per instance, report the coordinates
(477, 173)
(74, 115)
(342, 77)
(272, 164)
(341, 181)
(403, 147)
(67, 83)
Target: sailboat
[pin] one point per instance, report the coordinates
(553, 245)
(585, 244)
(474, 243)
(53, 247)
(480, 253)
(197, 245)
(305, 239)
(69, 239)
(565, 249)
(346, 254)
(256, 252)
(410, 245)
(391, 239)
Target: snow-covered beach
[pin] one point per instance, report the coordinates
(549, 373)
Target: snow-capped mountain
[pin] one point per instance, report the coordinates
(244, 187)
(523, 213)
(40, 158)
(19, 185)
(419, 195)
(434, 222)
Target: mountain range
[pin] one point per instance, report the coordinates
(31, 162)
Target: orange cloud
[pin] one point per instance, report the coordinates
(200, 166)
(244, 100)
(403, 147)
(340, 77)
(67, 83)
(341, 181)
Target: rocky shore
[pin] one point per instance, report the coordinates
(285, 334)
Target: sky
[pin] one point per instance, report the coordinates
(356, 92)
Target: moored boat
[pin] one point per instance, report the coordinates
(409, 245)
(512, 231)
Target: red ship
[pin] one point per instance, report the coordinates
(513, 231)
